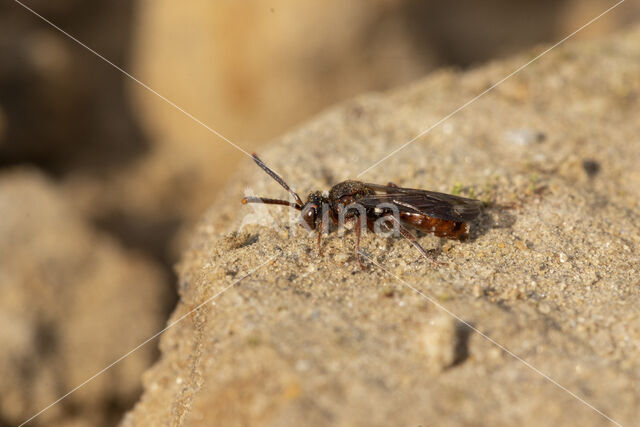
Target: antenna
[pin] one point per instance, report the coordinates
(279, 180)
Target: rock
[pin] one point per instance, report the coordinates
(72, 301)
(280, 336)
(442, 341)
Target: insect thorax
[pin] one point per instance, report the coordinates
(347, 192)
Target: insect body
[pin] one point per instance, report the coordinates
(380, 207)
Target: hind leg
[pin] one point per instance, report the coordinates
(409, 236)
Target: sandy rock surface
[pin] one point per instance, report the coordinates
(550, 272)
(71, 302)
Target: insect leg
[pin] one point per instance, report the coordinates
(358, 231)
(371, 225)
(320, 224)
(334, 218)
(409, 236)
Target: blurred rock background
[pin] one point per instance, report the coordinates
(92, 150)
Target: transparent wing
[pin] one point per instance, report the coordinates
(429, 203)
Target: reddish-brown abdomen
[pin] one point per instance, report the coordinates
(439, 227)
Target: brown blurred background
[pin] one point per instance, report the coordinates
(91, 150)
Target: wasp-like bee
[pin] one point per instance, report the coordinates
(444, 215)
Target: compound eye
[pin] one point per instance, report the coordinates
(309, 216)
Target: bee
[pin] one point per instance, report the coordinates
(444, 215)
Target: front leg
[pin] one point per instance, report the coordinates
(319, 227)
(358, 231)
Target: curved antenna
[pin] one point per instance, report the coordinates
(279, 180)
(268, 201)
